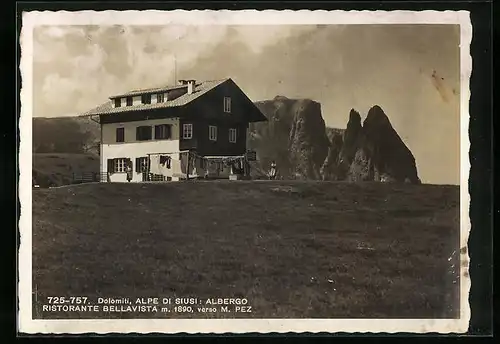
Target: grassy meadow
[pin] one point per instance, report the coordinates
(294, 249)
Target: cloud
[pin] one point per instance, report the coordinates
(257, 38)
(85, 58)
(59, 32)
(57, 89)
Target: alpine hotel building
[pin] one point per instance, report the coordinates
(193, 129)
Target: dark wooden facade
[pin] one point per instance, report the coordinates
(222, 146)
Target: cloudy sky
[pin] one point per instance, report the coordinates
(411, 71)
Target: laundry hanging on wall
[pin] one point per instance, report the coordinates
(154, 166)
(199, 162)
(184, 158)
(165, 160)
(176, 168)
(165, 164)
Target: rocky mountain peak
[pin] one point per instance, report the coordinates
(297, 138)
(376, 122)
(354, 119)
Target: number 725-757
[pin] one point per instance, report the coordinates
(71, 300)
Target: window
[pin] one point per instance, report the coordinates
(142, 164)
(232, 135)
(212, 133)
(146, 98)
(143, 133)
(227, 104)
(187, 131)
(118, 102)
(120, 134)
(129, 101)
(160, 98)
(120, 165)
(162, 132)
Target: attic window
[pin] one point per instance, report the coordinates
(118, 102)
(129, 101)
(146, 98)
(160, 97)
(227, 104)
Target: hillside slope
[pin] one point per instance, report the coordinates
(65, 135)
(293, 249)
(56, 169)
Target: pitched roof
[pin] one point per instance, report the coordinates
(200, 89)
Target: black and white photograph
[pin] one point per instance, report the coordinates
(244, 171)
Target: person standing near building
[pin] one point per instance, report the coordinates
(273, 170)
(129, 172)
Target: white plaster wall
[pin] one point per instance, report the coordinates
(133, 149)
(109, 130)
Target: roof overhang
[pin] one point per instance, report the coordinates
(94, 118)
(257, 116)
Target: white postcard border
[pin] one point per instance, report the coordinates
(225, 17)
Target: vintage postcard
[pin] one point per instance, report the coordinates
(244, 171)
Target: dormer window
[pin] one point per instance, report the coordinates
(129, 101)
(118, 102)
(227, 104)
(160, 98)
(146, 98)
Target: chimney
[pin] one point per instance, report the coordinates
(182, 82)
(191, 85)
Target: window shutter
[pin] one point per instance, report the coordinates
(120, 134)
(137, 164)
(111, 166)
(169, 131)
